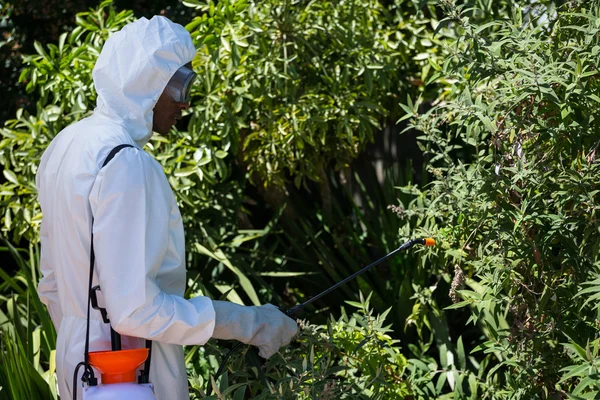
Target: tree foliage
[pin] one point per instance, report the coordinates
(294, 85)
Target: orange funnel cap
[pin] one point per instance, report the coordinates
(118, 366)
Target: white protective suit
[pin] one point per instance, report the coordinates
(138, 231)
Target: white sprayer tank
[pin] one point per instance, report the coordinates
(119, 391)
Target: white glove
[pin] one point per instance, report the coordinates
(262, 326)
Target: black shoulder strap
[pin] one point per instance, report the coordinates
(113, 153)
(89, 372)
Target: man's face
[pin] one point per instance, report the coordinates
(166, 113)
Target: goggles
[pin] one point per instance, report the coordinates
(180, 85)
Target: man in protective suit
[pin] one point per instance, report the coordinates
(142, 77)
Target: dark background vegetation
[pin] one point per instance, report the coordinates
(22, 22)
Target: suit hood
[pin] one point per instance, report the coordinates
(133, 69)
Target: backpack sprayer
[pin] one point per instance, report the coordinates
(292, 312)
(117, 367)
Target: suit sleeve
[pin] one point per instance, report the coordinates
(47, 288)
(131, 203)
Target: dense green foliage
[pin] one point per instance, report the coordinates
(352, 356)
(513, 148)
(27, 368)
(291, 87)
(22, 23)
(279, 203)
(206, 164)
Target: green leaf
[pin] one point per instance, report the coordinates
(10, 176)
(459, 305)
(218, 255)
(194, 24)
(225, 43)
(208, 39)
(594, 97)
(61, 42)
(40, 49)
(486, 122)
(185, 171)
(578, 350)
(460, 352)
(580, 370)
(588, 381)
(220, 154)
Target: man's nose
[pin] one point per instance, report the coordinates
(184, 105)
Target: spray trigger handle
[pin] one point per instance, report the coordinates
(290, 313)
(95, 306)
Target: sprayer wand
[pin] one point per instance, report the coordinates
(297, 309)
(293, 312)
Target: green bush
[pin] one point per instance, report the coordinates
(513, 144)
(27, 336)
(62, 76)
(292, 86)
(351, 357)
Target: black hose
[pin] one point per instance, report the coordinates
(75, 379)
(222, 367)
(88, 377)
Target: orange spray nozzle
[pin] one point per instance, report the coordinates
(429, 242)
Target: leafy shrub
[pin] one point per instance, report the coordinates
(513, 143)
(294, 85)
(351, 357)
(62, 76)
(27, 336)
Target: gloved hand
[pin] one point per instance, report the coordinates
(262, 326)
